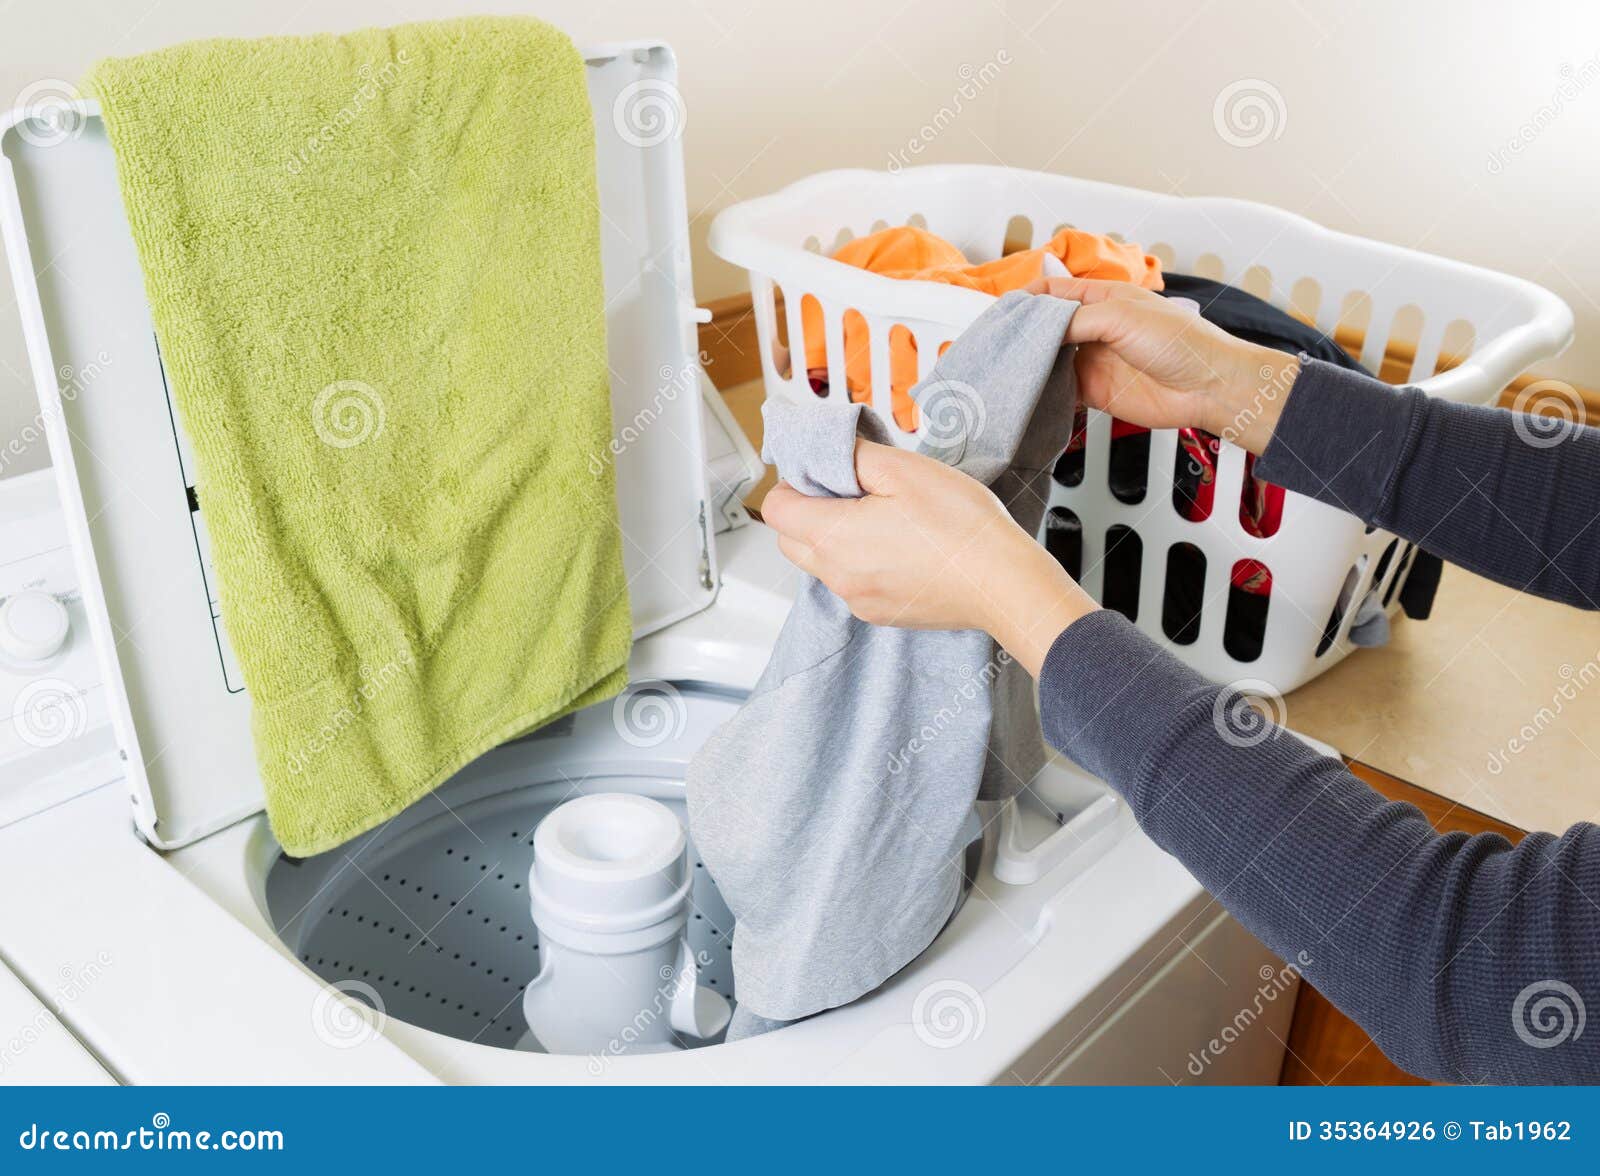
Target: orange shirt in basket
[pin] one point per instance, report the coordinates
(915, 254)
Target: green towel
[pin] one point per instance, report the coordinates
(373, 265)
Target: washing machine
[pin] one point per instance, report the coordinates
(137, 864)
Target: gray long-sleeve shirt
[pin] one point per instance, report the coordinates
(1465, 958)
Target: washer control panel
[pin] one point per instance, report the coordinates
(34, 624)
(56, 738)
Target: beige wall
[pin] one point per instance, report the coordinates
(1389, 116)
(1395, 120)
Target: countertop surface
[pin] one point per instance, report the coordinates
(1493, 702)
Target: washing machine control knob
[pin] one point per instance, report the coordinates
(33, 626)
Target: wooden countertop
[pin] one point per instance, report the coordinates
(1493, 702)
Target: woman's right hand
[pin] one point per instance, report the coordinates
(1155, 362)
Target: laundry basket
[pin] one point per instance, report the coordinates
(1322, 562)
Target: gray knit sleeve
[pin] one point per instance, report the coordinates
(1492, 491)
(1447, 949)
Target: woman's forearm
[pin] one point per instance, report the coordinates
(1427, 941)
(1474, 485)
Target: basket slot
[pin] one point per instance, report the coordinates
(1128, 468)
(1209, 265)
(1257, 280)
(1019, 234)
(1068, 471)
(1456, 345)
(1183, 593)
(1425, 359)
(1063, 538)
(1350, 592)
(1305, 299)
(1125, 586)
(1245, 621)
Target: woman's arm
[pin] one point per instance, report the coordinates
(1477, 486)
(1484, 488)
(1440, 947)
(1465, 958)
(1432, 943)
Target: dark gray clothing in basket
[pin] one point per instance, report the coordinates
(830, 809)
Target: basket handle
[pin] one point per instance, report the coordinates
(1480, 377)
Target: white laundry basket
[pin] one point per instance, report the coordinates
(1322, 561)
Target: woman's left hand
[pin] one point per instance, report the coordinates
(928, 548)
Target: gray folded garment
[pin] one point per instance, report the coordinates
(830, 808)
(1369, 628)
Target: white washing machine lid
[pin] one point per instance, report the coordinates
(126, 473)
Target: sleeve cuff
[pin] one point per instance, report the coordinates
(1108, 695)
(1341, 437)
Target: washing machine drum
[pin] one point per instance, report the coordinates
(428, 917)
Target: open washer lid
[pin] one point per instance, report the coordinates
(126, 473)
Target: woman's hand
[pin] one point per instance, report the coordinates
(1151, 361)
(928, 548)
